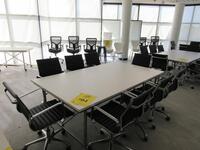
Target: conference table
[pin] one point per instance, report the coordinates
(179, 56)
(15, 52)
(100, 83)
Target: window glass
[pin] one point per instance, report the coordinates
(148, 30)
(113, 27)
(4, 29)
(166, 13)
(196, 18)
(55, 8)
(194, 32)
(164, 31)
(2, 7)
(110, 11)
(23, 7)
(89, 29)
(89, 9)
(134, 12)
(25, 30)
(184, 32)
(45, 29)
(149, 13)
(187, 14)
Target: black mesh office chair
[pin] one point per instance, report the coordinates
(160, 48)
(173, 45)
(160, 61)
(48, 67)
(74, 46)
(141, 60)
(55, 46)
(41, 117)
(153, 49)
(92, 59)
(154, 40)
(143, 41)
(144, 50)
(74, 62)
(91, 45)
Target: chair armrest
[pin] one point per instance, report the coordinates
(107, 114)
(29, 93)
(13, 101)
(45, 110)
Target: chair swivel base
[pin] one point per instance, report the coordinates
(111, 139)
(47, 138)
(160, 110)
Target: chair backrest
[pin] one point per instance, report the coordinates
(152, 49)
(160, 48)
(143, 41)
(118, 46)
(21, 107)
(173, 45)
(135, 45)
(91, 43)
(74, 62)
(56, 42)
(144, 50)
(50, 66)
(160, 61)
(92, 59)
(73, 41)
(141, 60)
(155, 40)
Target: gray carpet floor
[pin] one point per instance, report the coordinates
(181, 133)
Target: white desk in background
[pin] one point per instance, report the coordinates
(15, 52)
(182, 56)
(4, 144)
(103, 82)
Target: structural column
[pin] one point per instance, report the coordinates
(178, 15)
(125, 24)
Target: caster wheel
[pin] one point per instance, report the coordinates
(24, 148)
(167, 118)
(101, 132)
(68, 148)
(163, 108)
(153, 127)
(40, 133)
(63, 132)
(145, 138)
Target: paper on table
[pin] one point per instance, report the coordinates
(83, 99)
(8, 148)
(183, 59)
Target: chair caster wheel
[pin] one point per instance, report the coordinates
(145, 138)
(24, 148)
(167, 118)
(40, 133)
(153, 127)
(63, 132)
(68, 148)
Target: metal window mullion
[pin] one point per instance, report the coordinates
(190, 25)
(158, 19)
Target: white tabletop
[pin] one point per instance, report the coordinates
(15, 49)
(181, 56)
(102, 81)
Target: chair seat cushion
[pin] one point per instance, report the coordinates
(73, 51)
(49, 117)
(112, 108)
(89, 50)
(55, 51)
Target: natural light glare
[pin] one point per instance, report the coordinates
(166, 14)
(4, 30)
(113, 27)
(187, 15)
(149, 13)
(148, 30)
(2, 7)
(110, 11)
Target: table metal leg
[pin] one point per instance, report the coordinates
(24, 61)
(85, 129)
(5, 59)
(44, 96)
(29, 54)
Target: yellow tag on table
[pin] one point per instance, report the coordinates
(8, 148)
(183, 59)
(83, 99)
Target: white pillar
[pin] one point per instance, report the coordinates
(126, 17)
(178, 15)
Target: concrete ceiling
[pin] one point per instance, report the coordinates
(159, 1)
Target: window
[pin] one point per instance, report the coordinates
(187, 15)
(110, 11)
(194, 32)
(113, 27)
(22, 7)
(2, 7)
(196, 18)
(89, 9)
(166, 14)
(164, 31)
(184, 32)
(134, 13)
(4, 29)
(148, 13)
(148, 30)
